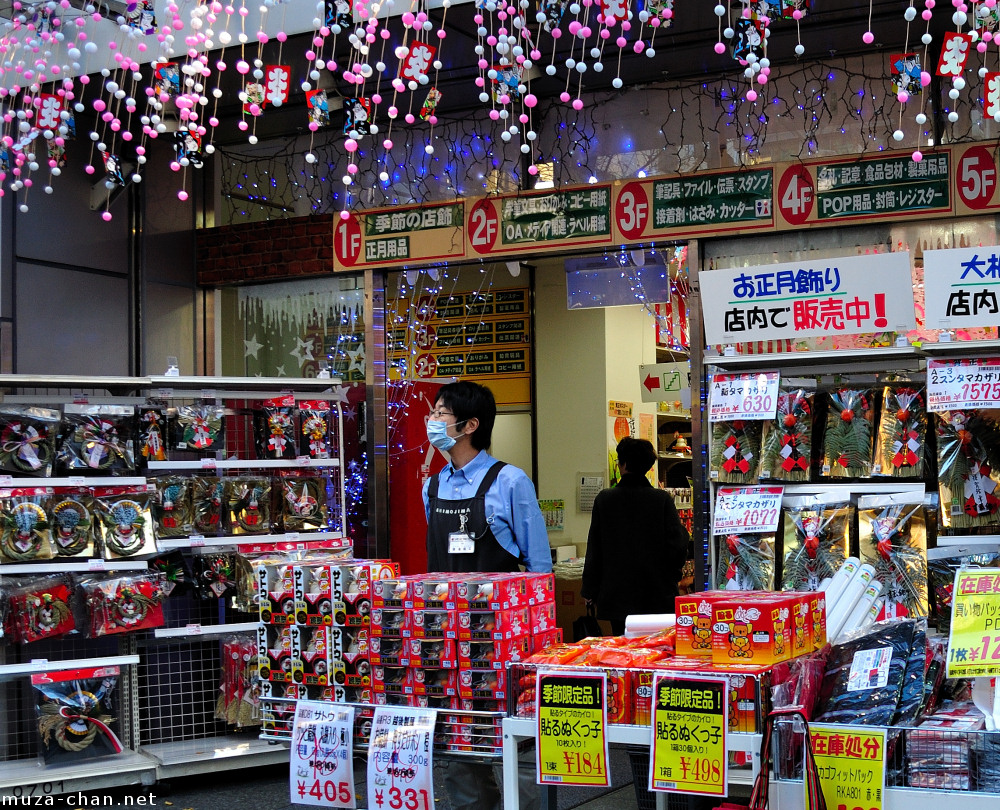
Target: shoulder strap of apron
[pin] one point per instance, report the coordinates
(489, 478)
(432, 488)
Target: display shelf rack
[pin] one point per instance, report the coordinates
(205, 630)
(241, 384)
(73, 481)
(963, 348)
(77, 566)
(245, 464)
(171, 543)
(955, 543)
(890, 358)
(789, 795)
(8, 671)
(190, 757)
(26, 782)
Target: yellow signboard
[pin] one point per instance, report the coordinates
(616, 408)
(572, 723)
(974, 639)
(690, 718)
(851, 765)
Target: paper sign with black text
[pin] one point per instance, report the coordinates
(400, 759)
(322, 762)
(961, 287)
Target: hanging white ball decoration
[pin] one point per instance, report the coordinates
(897, 135)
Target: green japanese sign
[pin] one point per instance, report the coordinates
(883, 186)
(715, 199)
(560, 216)
(413, 219)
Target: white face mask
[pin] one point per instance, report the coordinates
(437, 434)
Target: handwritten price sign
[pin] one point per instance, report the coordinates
(572, 721)
(690, 718)
(400, 759)
(322, 765)
(851, 766)
(974, 638)
(743, 396)
(954, 385)
(747, 510)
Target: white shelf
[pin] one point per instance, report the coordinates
(17, 778)
(245, 464)
(956, 543)
(887, 359)
(674, 416)
(205, 630)
(963, 348)
(74, 481)
(278, 385)
(37, 667)
(214, 753)
(789, 795)
(169, 544)
(68, 566)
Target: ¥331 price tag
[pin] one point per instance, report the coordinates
(974, 637)
(743, 396)
(851, 765)
(322, 762)
(572, 724)
(690, 718)
(747, 510)
(400, 759)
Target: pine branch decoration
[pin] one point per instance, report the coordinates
(786, 451)
(893, 541)
(816, 541)
(968, 459)
(902, 433)
(847, 446)
(745, 562)
(735, 450)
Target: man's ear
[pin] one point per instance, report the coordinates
(471, 426)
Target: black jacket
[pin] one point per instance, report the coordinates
(635, 551)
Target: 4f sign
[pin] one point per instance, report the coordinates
(796, 195)
(347, 240)
(632, 211)
(484, 225)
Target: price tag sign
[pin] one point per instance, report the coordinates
(689, 722)
(974, 638)
(955, 385)
(322, 765)
(572, 723)
(851, 764)
(400, 759)
(743, 396)
(747, 510)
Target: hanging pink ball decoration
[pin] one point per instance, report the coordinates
(106, 216)
(868, 37)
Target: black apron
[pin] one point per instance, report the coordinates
(446, 517)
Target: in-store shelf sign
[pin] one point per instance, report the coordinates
(322, 755)
(958, 385)
(743, 396)
(401, 758)
(841, 296)
(960, 288)
(850, 761)
(974, 636)
(746, 510)
(666, 382)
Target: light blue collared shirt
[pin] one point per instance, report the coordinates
(511, 508)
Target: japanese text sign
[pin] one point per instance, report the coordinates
(960, 287)
(974, 638)
(322, 761)
(851, 765)
(747, 510)
(954, 385)
(400, 759)
(743, 396)
(572, 724)
(690, 718)
(842, 296)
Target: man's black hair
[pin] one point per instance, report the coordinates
(468, 400)
(637, 455)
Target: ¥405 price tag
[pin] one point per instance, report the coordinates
(322, 765)
(743, 396)
(747, 510)
(572, 723)
(690, 718)
(851, 766)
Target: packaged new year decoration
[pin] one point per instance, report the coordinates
(745, 562)
(24, 525)
(126, 521)
(199, 428)
(968, 456)
(27, 439)
(735, 451)
(902, 432)
(41, 608)
(97, 440)
(848, 439)
(786, 449)
(173, 506)
(817, 531)
(208, 505)
(314, 429)
(941, 578)
(73, 526)
(275, 429)
(893, 541)
(249, 505)
(76, 713)
(152, 433)
(124, 604)
(303, 504)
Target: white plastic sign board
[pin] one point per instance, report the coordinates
(322, 761)
(743, 396)
(961, 287)
(847, 295)
(400, 758)
(957, 385)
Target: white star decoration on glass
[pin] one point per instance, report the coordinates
(280, 372)
(251, 347)
(357, 360)
(303, 351)
(339, 394)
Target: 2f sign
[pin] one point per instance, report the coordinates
(347, 240)
(484, 225)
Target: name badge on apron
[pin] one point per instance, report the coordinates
(459, 542)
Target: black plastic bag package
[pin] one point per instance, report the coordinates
(911, 696)
(865, 674)
(986, 763)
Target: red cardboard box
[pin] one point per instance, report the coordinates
(275, 592)
(493, 654)
(491, 592)
(387, 651)
(482, 683)
(694, 622)
(433, 702)
(435, 682)
(318, 656)
(274, 653)
(438, 591)
(432, 624)
(392, 680)
(539, 641)
(540, 588)
(430, 652)
(543, 617)
(496, 625)
(393, 593)
(393, 699)
(390, 622)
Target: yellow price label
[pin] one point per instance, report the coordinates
(851, 765)
(690, 717)
(974, 638)
(572, 723)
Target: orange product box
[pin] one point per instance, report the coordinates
(752, 627)
(817, 611)
(802, 625)
(694, 621)
(619, 695)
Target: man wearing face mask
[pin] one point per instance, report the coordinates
(482, 515)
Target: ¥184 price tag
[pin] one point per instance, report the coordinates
(690, 718)
(572, 723)
(974, 637)
(743, 396)
(400, 759)
(851, 765)
(322, 762)
(747, 510)
(955, 385)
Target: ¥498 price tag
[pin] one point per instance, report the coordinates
(747, 510)
(690, 718)
(322, 765)
(572, 721)
(743, 396)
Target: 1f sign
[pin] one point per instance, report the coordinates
(347, 240)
